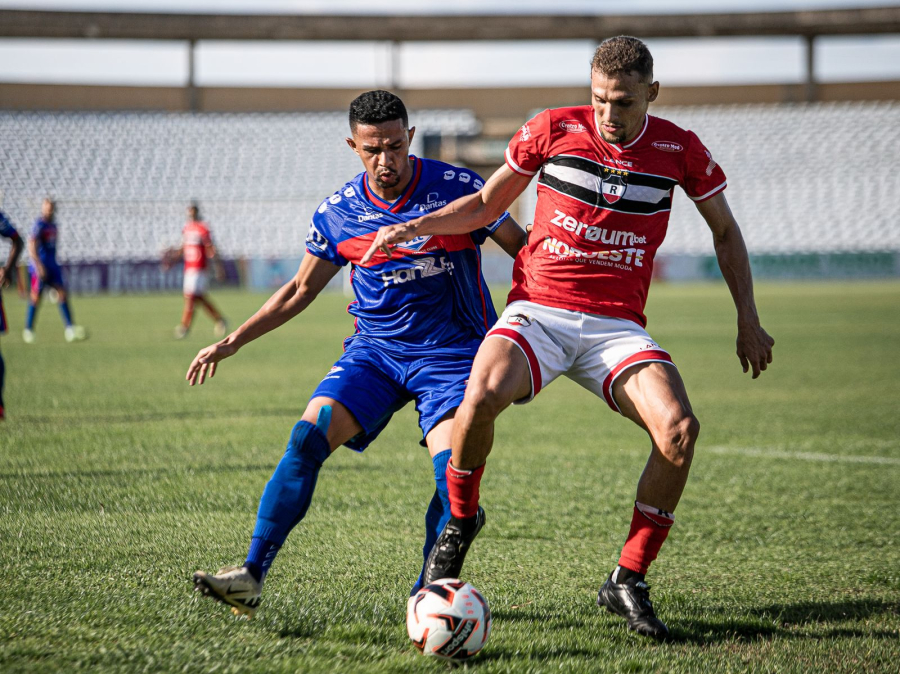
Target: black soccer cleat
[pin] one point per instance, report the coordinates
(631, 600)
(449, 552)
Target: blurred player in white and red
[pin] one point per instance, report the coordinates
(7, 231)
(606, 176)
(197, 251)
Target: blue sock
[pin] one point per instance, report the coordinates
(438, 511)
(29, 317)
(288, 493)
(66, 314)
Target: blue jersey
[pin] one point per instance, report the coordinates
(7, 230)
(429, 297)
(44, 235)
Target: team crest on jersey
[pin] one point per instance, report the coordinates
(415, 245)
(519, 319)
(614, 185)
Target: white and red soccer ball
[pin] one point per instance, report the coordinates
(448, 619)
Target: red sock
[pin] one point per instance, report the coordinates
(649, 528)
(462, 487)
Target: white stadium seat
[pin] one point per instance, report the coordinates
(122, 180)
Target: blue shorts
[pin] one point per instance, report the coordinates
(54, 278)
(373, 385)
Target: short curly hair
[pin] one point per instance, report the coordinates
(375, 107)
(623, 54)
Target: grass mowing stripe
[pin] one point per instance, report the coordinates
(803, 456)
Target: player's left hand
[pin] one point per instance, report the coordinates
(754, 348)
(4, 281)
(204, 363)
(388, 237)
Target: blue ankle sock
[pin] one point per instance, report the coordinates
(438, 511)
(29, 317)
(66, 314)
(288, 493)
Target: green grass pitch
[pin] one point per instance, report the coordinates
(117, 481)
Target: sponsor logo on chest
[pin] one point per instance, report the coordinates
(422, 268)
(667, 146)
(612, 237)
(572, 126)
(433, 201)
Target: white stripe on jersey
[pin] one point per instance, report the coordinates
(650, 195)
(515, 167)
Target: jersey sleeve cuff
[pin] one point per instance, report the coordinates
(515, 167)
(499, 221)
(341, 262)
(713, 192)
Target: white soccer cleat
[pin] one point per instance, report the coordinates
(220, 328)
(180, 332)
(28, 336)
(75, 333)
(233, 585)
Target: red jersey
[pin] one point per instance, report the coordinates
(194, 240)
(602, 209)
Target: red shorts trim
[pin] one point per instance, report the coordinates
(649, 356)
(523, 344)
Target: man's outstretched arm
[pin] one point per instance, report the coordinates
(754, 345)
(464, 215)
(510, 237)
(288, 301)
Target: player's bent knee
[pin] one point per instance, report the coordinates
(308, 444)
(485, 401)
(679, 438)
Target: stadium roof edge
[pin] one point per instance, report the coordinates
(195, 27)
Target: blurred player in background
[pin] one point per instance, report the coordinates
(607, 172)
(421, 313)
(7, 231)
(197, 251)
(46, 272)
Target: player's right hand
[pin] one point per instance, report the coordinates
(204, 363)
(389, 236)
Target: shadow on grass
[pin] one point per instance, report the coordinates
(806, 612)
(546, 619)
(695, 631)
(777, 619)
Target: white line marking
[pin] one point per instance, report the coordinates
(803, 456)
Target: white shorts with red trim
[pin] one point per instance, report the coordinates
(196, 282)
(590, 350)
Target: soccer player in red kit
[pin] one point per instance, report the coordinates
(606, 176)
(197, 249)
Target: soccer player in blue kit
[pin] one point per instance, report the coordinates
(45, 271)
(421, 314)
(7, 231)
